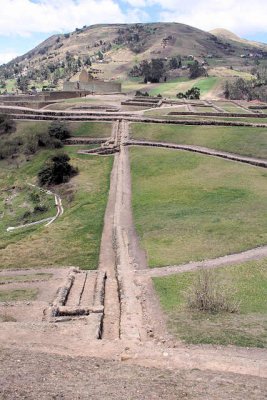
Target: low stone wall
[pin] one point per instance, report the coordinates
(219, 114)
(138, 104)
(201, 150)
(84, 140)
(44, 96)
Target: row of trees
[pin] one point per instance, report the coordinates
(157, 69)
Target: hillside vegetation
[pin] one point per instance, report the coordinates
(112, 51)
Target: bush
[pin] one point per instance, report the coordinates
(192, 94)
(7, 125)
(56, 170)
(58, 130)
(206, 294)
(196, 70)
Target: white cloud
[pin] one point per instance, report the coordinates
(24, 17)
(6, 57)
(241, 16)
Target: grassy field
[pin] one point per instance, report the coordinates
(207, 84)
(204, 109)
(171, 88)
(74, 239)
(190, 207)
(231, 107)
(24, 204)
(133, 85)
(240, 140)
(10, 86)
(164, 114)
(25, 278)
(90, 129)
(18, 295)
(247, 282)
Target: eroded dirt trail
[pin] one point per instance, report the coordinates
(131, 311)
(122, 306)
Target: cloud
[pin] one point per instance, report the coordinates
(25, 17)
(243, 17)
(6, 57)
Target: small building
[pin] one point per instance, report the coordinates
(87, 83)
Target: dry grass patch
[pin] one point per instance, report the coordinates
(245, 286)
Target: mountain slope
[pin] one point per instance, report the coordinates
(114, 49)
(228, 35)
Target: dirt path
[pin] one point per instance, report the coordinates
(202, 150)
(233, 259)
(68, 378)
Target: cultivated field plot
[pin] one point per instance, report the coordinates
(84, 199)
(190, 207)
(231, 107)
(90, 129)
(247, 141)
(171, 88)
(206, 109)
(247, 284)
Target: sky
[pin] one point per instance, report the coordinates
(25, 23)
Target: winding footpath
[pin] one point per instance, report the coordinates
(47, 221)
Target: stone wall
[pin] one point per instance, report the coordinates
(94, 86)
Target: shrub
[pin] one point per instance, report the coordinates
(56, 170)
(7, 125)
(206, 294)
(58, 130)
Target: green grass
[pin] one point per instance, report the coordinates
(171, 88)
(18, 206)
(164, 114)
(207, 84)
(74, 239)
(90, 129)
(246, 328)
(231, 108)
(25, 278)
(204, 109)
(246, 141)
(18, 295)
(190, 207)
(10, 86)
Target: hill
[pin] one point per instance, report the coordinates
(111, 51)
(228, 35)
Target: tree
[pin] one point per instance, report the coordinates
(192, 94)
(157, 70)
(58, 130)
(196, 70)
(56, 170)
(100, 55)
(22, 83)
(175, 62)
